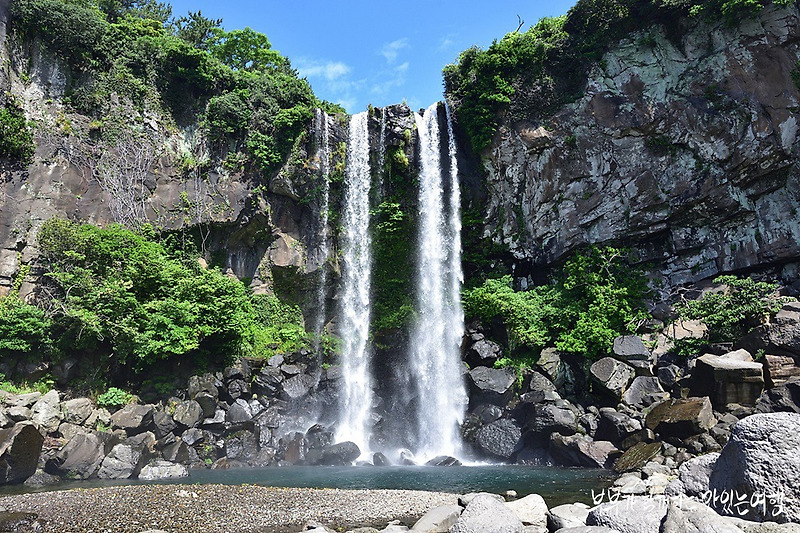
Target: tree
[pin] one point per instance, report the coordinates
(197, 30)
(146, 9)
(248, 50)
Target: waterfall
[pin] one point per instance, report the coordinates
(322, 250)
(355, 303)
(435, 360)
(382, 145)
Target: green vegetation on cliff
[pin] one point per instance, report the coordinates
(595, 297)
(246, 94)
(16, 139)
(528, 75)
(127, 300)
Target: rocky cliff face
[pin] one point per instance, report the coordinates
(685, 149)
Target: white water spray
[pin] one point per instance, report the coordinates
(355, 304)
(322, 249)
(435, 359)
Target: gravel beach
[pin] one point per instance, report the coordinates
(219, 508)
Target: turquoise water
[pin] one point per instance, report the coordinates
(556, 485)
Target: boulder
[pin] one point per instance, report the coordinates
(237, 388)
(19, 413)
(491, 385)
(688, 516)
(669, 375)
(635, 457)
(761, 457)
(20, 447)
(485, 513)
(637, 514)
(778, 369)
(205, 383)
(443, 460)
(612, 376)
(79, 459)
(438, 520)
(693, 476)
(341, 454)
(122, 462)
(780, 337)
(554, 367)
(784, 397)
(580, 450)
(681, 418)
(499, 439)
(77, 411)
(483, 353)
(268, 381)
(67, 430)
(567, 515)
(239, 412)
(159, 469)
(133, 418)
(531, 510)
(728, 379)
(615, 426)
(644, 391)
(207, 403)
(630, 347)
(46, 412)
(551, 418)
(298, 386)
(177, 452)
(188, 413)
(23, 400)
(5, 422)
(163, 424)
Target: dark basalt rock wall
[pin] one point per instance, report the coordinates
(686, 150)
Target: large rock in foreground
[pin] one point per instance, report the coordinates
(731, 378)
(20, 447)
(484, 513)
(762, 459)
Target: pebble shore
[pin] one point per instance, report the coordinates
(219, 508)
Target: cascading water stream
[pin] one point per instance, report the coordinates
(435, 361)
(355, 297)
(322, 250)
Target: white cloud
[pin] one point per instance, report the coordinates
(330, 70)
(391, 50)
(446, 43)
(394, 77)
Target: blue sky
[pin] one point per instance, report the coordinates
(359, 52)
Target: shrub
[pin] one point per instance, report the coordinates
(114, 397)
(734, 308)
(16, 139)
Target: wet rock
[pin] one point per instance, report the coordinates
(378, 459)
(159, 469)
(268, 381)
(761, 457)
(318, 436)
(483, 353)
(637, 456)
(242, 446)
(728, 379)
(499, 439)
(20, 447)
(612, 375)
(239, 412)
(133, 418)
(341, 454)
(188, 413)
(298, 386)
(491, 385)
(77, 411)
(438, 520)
(122, 462)
(580, 450)
(681, 418)
(485, 513)
(443, 460)
(207, 403)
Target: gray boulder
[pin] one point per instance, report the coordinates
(491, 385)
(298, 386)
(761, 457)
(484, 514)
(630, 347)
(133, 418)
(484, 353)
(612, 376)
(681, 418)
(79, 459)
(637, 514)
(207, 403)
(205, 383)
(46, 412)
(239, 412)
(531, 510)
(20, 447)
(341, 454)
(159, 469)
(438, 520)
(687, 516)
(163, 424)
(644, 391)
(77, 411)
(580, 450)
(188, 413)
(615, 426)
(499, 439)
(122, 462)
(554, 367)
(693, 476)
(730, 378)
(569, 515)
(551, 418)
